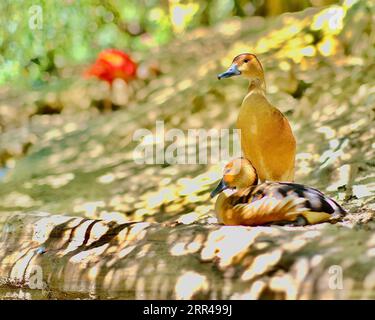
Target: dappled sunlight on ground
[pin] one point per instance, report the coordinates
(149, 230)
(89, 165)
(142, 260)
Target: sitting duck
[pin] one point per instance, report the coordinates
(267, 139)
(242, 202)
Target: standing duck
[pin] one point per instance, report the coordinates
(266, 137)
(242, 202)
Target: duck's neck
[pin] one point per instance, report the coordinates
(257, 85)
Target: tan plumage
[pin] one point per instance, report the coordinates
(266, 137)
(271, 202)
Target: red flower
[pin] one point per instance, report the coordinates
(112, 64)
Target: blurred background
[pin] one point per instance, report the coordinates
(41, 40)
(66, 125)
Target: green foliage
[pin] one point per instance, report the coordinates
(38, 39)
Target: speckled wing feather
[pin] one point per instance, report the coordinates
(283, 201)
(315, 200)
(269, 209)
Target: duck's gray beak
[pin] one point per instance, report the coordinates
(220, 187)
(232, 71)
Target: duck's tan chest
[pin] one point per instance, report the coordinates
(257, 118)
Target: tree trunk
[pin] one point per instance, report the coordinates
(55, 257)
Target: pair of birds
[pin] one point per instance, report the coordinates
(269, 150)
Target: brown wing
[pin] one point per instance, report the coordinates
(268, 209)
(315, 200)
(274, 202)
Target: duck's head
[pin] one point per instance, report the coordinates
(238, 174)
(246, 64)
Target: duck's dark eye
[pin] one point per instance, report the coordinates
(246, 60)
